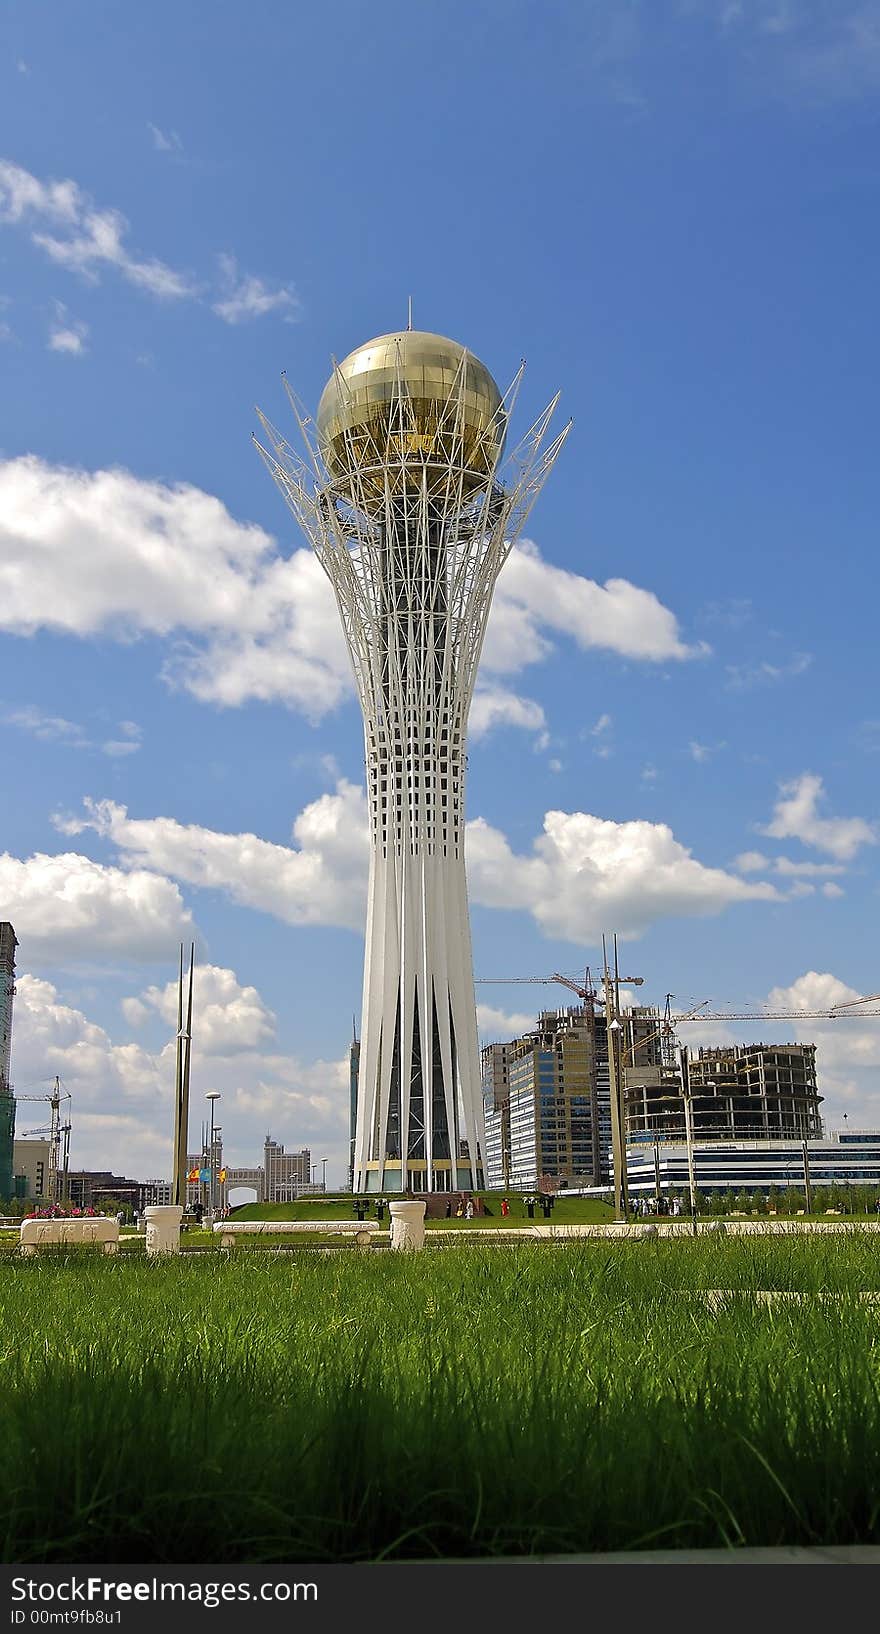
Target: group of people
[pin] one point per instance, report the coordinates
(655, 1205)
(543, 1200)
(464, 1210)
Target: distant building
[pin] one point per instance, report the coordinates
(8, 945)
(286, 1174)
(495, 1065)
(553, 1126)
(155, 1194)
(30, 1163)
(737, 1092)
(89, 1188)
(846, 1158)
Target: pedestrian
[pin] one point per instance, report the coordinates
(505, 1207)
(469, 1209)
(459, 1213)
(449, 1209)
(120, 1218)
(545, 1206)
(530, 1207)
(380, 1209)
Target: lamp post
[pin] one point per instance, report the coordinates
(212, 1096)
(618, 1137)
(324, 1173)
(689, 1136)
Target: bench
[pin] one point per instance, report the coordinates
(101, 1232)
(229, 1231)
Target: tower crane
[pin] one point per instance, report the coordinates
(585, 990)
(59, 1138)
(848, 1011)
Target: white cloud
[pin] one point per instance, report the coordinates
(751, 862)
(847, 1050)
(164, 141)
(67, 335)
(788, 865)
(122, 1093)
(742, 677)
(495, 706)
(108, 553)
(229, 1018)
(532, 596)
(795, 816)
(499, 1026)
(245, 297)
(603, 724)
(55, 729)
(323, 882)
(832, 890)
(584, 873)
(68, 908)
(46, 728)
(83, 238)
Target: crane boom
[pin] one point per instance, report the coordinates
(847, 1011)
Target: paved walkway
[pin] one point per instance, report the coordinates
(661, 1228)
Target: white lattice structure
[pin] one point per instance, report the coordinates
(402, 501)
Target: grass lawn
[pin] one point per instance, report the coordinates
(568, 1211)
(535, 1399)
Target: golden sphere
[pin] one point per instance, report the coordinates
(405, 405)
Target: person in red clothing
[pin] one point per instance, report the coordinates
(505, 1207)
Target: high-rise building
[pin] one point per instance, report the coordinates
(8, 945)
(549, 1120)
(496, 1113)
(403, 502)
(285, 1174)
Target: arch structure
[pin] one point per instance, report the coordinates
(412, 517)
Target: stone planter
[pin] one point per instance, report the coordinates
(163, 1228)
(407, 1224)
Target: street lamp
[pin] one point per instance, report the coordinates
(618, 1135)
(324, 1162)
(689, 1135)
(212, 1096)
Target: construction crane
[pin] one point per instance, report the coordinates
(585, 990)
(848, 1011)
(59, 1139)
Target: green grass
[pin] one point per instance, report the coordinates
(567, 1211)
(527, 1398)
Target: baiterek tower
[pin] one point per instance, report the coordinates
(402, 497)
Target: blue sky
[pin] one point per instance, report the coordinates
(671, 211)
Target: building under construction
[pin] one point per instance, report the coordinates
(8, 944)
(736, 1092)
(547, 1095)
